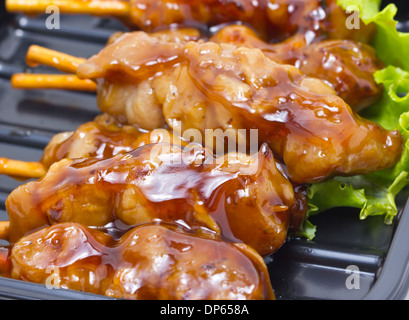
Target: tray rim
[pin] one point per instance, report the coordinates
(387, 285)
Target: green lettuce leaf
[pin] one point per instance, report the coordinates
(395, 102)
(375, 193)
(391, 46)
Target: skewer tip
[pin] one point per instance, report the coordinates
(52, 81)
(21, 169)
(94, 7)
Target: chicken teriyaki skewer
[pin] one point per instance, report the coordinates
(152, 262)
(101, 138)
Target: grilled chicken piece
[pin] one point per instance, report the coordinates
(236, 197)
(148, 263)
(204, 85)
(103, 138)
(346, 65)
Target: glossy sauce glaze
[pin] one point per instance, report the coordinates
(101, 139)
(237, 198)
(204, 85)
(348, 66)
(274, 20)
(148, 263)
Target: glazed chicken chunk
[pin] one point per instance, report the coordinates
(148, 263)
(347, 66)
(102, 138)
(275, 20)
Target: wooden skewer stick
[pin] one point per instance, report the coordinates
(22, 169)
(37, 55)
(4, 229)
(94, 7)
(52, 81)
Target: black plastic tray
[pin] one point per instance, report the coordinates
(300, 270)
